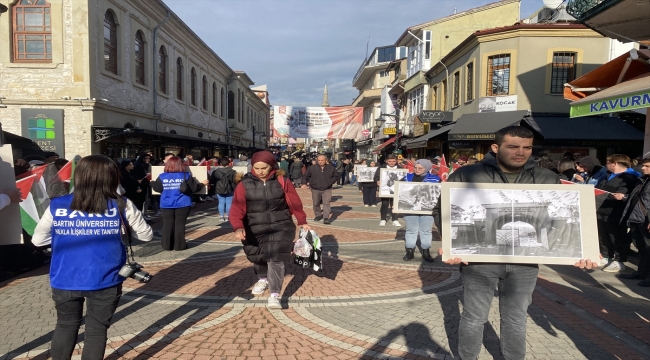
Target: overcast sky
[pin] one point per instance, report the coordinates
(295, 46)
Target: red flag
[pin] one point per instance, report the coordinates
(443, 162)
(65, 174)
(600, 195)
(455, 166)
(201, 163)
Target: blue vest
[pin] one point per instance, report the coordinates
(427, 178)
(171, 196)
(87, 249)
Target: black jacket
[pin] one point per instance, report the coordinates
(270, 230)
(378, 172)
(612, 210)
(320, 178)
(638, 198)
(488, 171)
(295, 170)
(224, 173)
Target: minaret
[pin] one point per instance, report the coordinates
(326, 102)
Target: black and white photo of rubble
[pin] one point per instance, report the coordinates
(417, 198)
(542, 223)
(366, 174)
(387, 179)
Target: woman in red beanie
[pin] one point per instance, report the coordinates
(260, 214)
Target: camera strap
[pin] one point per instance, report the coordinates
(126, 231)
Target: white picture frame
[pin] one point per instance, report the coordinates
(241, 169)
(199, 172)
(387, 180)
(416, 198)
(358, 167)
(366, 174)
(519, 223)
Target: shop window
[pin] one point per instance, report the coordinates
(139, 57)
(179, 79)
(193, 87)
(162, 70)
(563, 70)
(32, 31)
(110, 42)
(498, 72)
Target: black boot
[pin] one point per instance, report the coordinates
(426, 256)
(409, 254)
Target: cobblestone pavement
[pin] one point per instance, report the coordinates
(367, 304)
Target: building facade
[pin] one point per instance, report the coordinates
(124, 76)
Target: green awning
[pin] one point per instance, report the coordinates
(629, 95)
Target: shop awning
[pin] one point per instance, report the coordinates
(422, 140)
(104, 133)
(629, 95)
(482, 126)
(592, 131)
(386, 143)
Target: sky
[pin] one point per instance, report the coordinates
(296, 46)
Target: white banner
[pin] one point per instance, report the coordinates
(497, 103)
(343, 122)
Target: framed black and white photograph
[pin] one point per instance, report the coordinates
(358, 167)
(519, 223)
(416, 197)
(387, 180)
(366, 174)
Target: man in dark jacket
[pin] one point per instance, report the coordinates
(295, 171)
(509, 162)
(636, 213)
(320, 178)
(387, 203)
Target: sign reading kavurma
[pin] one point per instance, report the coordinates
(45, 127)
(604, 106)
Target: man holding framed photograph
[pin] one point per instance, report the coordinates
(387, 203)
(508, 162)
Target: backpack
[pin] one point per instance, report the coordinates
(224, 185)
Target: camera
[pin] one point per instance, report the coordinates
(132, 270)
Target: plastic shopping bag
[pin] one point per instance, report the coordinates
(307, 251)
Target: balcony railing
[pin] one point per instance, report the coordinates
(374, 60)
(577, 8)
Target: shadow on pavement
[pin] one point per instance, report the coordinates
(417, 337)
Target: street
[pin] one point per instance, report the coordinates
(368, 303)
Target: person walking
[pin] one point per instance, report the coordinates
(509, 162)
(369, 190)
(261, 218)
(88, 254)
(341, 171)
(386, 210)
(421, 224)
(133, 187)
(295, 171)
(320, 177)
(613, 237)
(224, 179)
(589, 171)
(635, 216)
(174, 204)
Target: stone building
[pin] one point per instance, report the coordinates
(118, 77)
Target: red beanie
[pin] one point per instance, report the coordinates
(264, 156)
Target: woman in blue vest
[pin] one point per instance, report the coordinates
(421, 224)
(87, 254)
(174, 204)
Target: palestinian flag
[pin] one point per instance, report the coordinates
(66, 175)
(39, 190)
(28, 213)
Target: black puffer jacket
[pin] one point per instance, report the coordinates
(638, 199)
(623, 183)
(488, 171)
(270, 231)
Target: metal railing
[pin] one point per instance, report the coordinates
(577, 8)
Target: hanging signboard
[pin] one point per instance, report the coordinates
(497, 103)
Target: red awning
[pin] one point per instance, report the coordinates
(386, 143)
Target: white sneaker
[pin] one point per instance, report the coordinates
(396, 223)
(260, 287)
(614, 266)
(382, 223)
(366, 205)
(373, 205)
(604, 261)
(274, 302)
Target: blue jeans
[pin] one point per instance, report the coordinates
(418, 224)
(353, 181)
(224, 204)
(516, 284)
(100, 307)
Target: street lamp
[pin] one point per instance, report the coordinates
(263, 137)
(381, 120)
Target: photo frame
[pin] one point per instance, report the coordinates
(199, 172)
(519, 223)
(416, 198)
(387, 180)
(366, 174)
(358, 167)
(241, 169)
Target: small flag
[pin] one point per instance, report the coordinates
(201, 163)
(28, 213)
(600, 195)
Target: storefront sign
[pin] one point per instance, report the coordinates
(435, 116)
(629, 102)
(390, 131)
(420, 129)
(45, 128)
(471, 136)
(461, 145)
(497, 103)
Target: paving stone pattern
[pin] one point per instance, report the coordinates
(367, 304)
